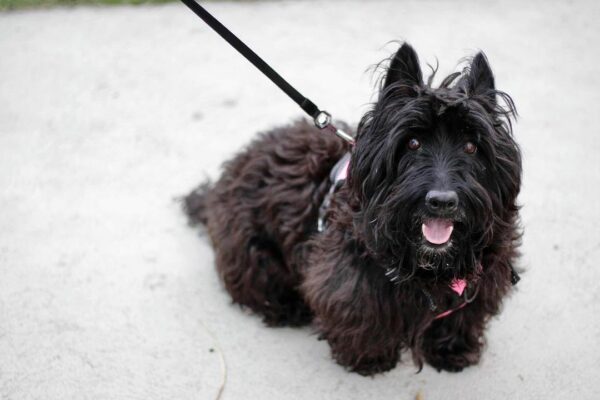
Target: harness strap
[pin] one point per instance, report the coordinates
(337, 176)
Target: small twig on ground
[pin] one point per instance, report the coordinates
(221, 357)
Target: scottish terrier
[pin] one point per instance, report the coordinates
(409, 244)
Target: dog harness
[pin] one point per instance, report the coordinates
(337, 176)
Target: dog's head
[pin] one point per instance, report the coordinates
(435, 171)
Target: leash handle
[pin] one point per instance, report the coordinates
(322, 119)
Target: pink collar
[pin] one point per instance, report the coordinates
(458, 286)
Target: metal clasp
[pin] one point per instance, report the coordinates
(323, 121)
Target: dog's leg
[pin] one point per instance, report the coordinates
(348, 352)
(354, 307)
(455, 342)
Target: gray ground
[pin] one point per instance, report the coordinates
(109, 114)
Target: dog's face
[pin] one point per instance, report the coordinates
(435, 170)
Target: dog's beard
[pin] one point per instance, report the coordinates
(435, 258)
(411, 256)
(410, 243)
(437, 242)
(429, 259)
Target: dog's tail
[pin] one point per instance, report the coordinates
(194, 204)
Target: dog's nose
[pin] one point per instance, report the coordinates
(441, 202)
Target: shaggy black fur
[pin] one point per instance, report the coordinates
(417, 140)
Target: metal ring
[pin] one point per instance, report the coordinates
(322, 119)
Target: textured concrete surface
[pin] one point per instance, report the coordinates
(109, 114)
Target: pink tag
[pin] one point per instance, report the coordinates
(458, 285)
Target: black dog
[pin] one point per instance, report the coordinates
(418, 242)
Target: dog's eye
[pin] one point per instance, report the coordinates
(470, 148)
(414, 144)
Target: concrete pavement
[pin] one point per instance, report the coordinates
(107, 115)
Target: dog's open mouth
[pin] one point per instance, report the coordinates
(437, 231)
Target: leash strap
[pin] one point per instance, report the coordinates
(321, 118)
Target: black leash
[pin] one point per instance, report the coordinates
(322, 119)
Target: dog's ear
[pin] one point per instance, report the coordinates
(480, 80)
(404, 68)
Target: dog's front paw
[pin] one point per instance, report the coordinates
(373, 366)
(453, 359)
(368, 366)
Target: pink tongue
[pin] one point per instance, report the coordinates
(437, 230)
